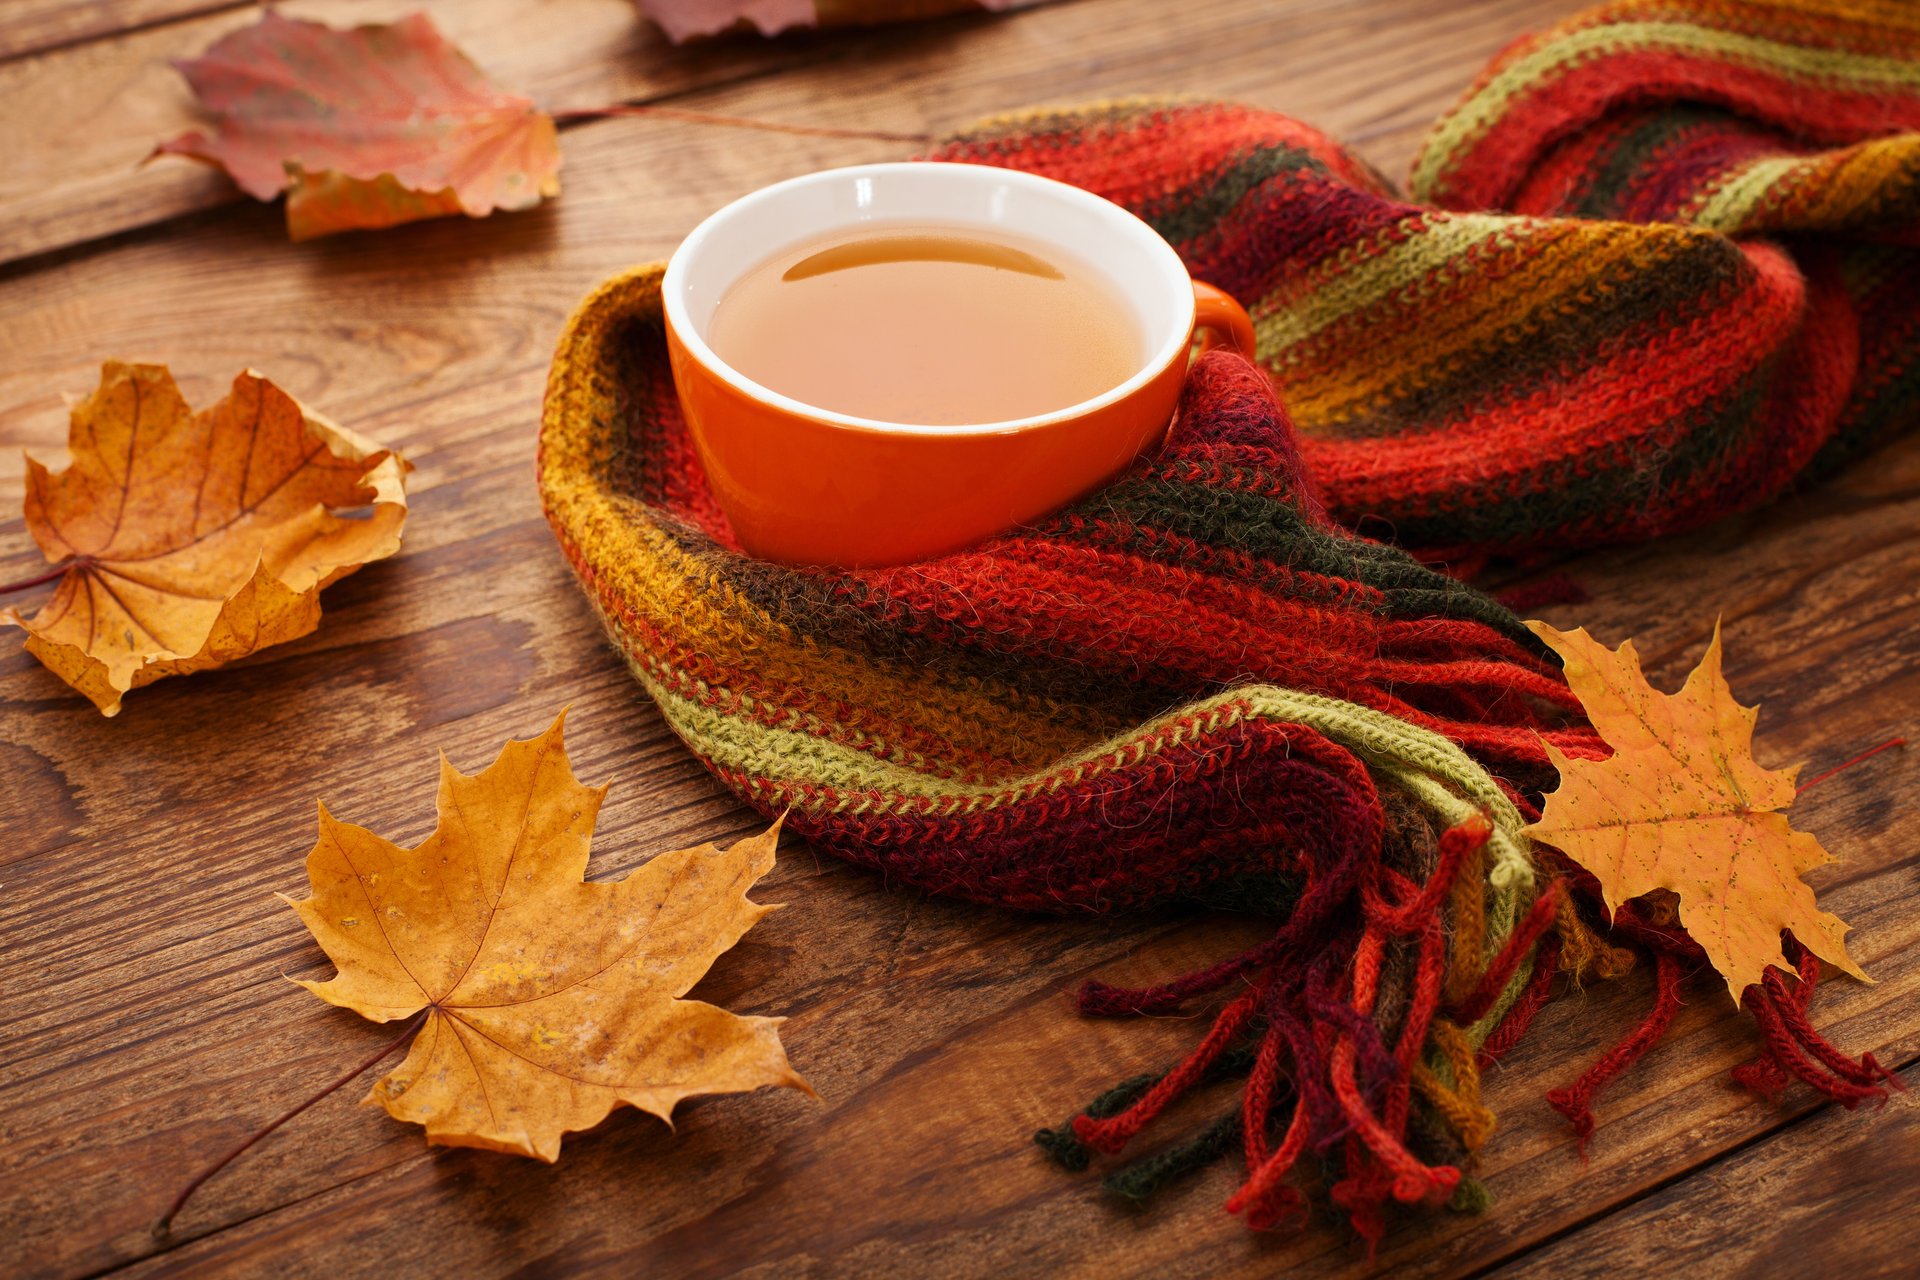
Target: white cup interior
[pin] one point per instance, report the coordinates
(1141, 267)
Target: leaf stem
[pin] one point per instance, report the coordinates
(58, 571)
(1888, 745)
(162, 1228)
(735, 122)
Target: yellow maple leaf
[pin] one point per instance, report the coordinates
(1682, 805)
(191, 539)
(548, 1000)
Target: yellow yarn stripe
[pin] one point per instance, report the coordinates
(1837, 67)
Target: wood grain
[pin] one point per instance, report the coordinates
(35, 25)
(146, 1023)
(77, 166)
(1771, 1209)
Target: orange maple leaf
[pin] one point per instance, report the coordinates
(368, 127)
(187, 540)
(548, 1001)
(1682, 805)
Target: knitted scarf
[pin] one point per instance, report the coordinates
(1204, 684)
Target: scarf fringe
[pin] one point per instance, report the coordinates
(1402, 1123)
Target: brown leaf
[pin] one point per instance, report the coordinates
(550, 1001)
(1682, 805)
(195, 539)
(367, 127)
(686, 19)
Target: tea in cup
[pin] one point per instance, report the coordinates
(887, 362)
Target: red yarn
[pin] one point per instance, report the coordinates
(1554, 588)
(1501, 971)
(1789, 1038)
(1423, 906)
(1112, 1134)
(1521, 1014)
(1311, 1012)
(1575, 1101)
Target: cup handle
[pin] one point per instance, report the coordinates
(1220, 320)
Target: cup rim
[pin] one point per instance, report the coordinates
(673, 294)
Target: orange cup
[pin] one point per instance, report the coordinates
(806, 485)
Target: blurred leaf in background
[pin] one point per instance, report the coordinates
(687, 19)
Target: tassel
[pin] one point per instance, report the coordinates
(1789, 1038)
(1575, 1102)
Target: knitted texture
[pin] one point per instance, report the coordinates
(1200, 685)
(1698, 285)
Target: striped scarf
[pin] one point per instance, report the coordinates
(1662, 267)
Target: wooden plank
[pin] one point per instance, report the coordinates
(146, 1025)
(32, 26)
(1827, 1197)
(75, 168)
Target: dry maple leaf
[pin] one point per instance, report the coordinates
(685, 19)
(1682, 805)
(189, 540)
(548, 1000)
(367, 127)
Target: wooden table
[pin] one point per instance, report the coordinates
(144, 1021)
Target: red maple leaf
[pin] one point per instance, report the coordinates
(366, 127)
